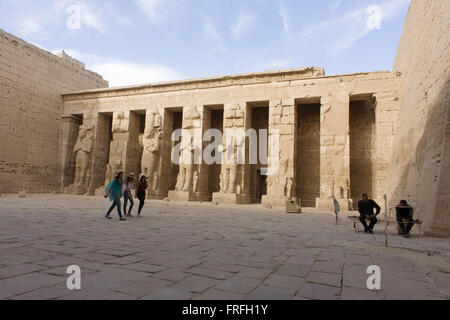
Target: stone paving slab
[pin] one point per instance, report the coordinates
(199, 251)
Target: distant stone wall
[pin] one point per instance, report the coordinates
(31, 84)
(420, 165)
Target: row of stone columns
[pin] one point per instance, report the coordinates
(90, 157)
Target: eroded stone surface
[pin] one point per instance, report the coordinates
(180, 251)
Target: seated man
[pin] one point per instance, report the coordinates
(365, 208)
(405, 217)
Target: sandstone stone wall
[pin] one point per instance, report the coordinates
(31, 84)
(326, 132)
(420, 164)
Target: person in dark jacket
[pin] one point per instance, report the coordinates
(366, 210)
(140, 192)
(405, 217)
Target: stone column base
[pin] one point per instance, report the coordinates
(76, 190)
(328, 204)
(188, 196)
(100, 192)
(268, 201)
(231, 198)
(155, 195)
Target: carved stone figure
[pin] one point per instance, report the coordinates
(224, 180)
(120, 125)
(195, 181)
(154, 120)
(188, 166)
(180, 180)
(150, 155)
(284, 164)
(288, 187)
(155, 181)
(82, 151)
(108, 174)
(191, 118)
(151, 143)
(233, 177)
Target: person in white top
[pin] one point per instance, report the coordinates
(128, 195)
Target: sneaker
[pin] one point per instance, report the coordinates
(371, 231)
(123, 219)
(108, 217)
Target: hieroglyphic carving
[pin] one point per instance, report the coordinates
(121, 123)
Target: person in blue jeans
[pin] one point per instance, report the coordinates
(127, 195)
(114, 192)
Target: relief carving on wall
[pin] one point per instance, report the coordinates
(83, 153)
(151, 141)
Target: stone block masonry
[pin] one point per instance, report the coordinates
(32, 81)
(306, 112)
(420, 166)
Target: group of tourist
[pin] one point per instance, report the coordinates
(118, 187)
(369, 210)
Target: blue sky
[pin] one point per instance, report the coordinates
(142, 41)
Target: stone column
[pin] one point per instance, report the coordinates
(234, 177)
(125, 151)
(335, 151)
(83, 152)
(282, 151)
(167, 166)
(69, 133)
(151, 163)
(193, 172)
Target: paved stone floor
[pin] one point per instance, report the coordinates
(201, 251)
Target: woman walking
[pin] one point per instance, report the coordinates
(114, 191)
(127, 194)
(140, 192)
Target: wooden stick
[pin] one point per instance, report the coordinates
(387, 221)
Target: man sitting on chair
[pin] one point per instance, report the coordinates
(365, 208)
(405, 217)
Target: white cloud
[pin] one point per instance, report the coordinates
(124, 21)
(155, 10)
(341, 33)
(336, 4)
(210, 31)
(276, 64)
(90, 17)
(123, 73)
(209, 28)
(244, 23)
(284, 16)
(37, 19)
